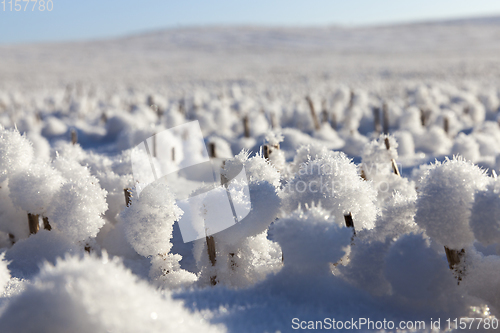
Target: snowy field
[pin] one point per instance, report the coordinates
(344, 178)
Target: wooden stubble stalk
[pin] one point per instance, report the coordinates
(74, 137)
(393, 162)
(159, 112)
(385, 111)
(128, 197)
(211, 256)
(454, 258)
(33, 223)
(267, 150)
(376, 117)
(351, 100)
(150, 101)
(211, 242)
(211, 150)
(246, 126)
(46, 224)
(349, 222)
(423, 117)
(12, 239)
(387, 144)
(446, 125)
(395, 167)
(210, 239)
(313, 113)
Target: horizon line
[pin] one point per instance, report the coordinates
(134, 34)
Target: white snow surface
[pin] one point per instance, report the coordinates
(326, 95)
(96, 295)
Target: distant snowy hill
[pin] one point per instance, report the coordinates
(460, 35)
(454, 47)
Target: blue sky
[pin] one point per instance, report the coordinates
(91, 19)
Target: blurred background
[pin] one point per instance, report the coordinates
(158, 41)
(77, 20)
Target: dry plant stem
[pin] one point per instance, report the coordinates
(74, 137)
(395, 167)
(211, 242)
(33, 223)
(446, 125)
(12, 239)
(211, 256)
(128, 197)
(173, 154)
(386, 118)
(423, 117)
(376, 121)
(349, 222)
(313, 113)
(454, 258)
(387, 143)
(150, 102)
(211, 150)
(246, 126)
(393, 161)
(351, 101)
(46, 224)
(266, 151)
